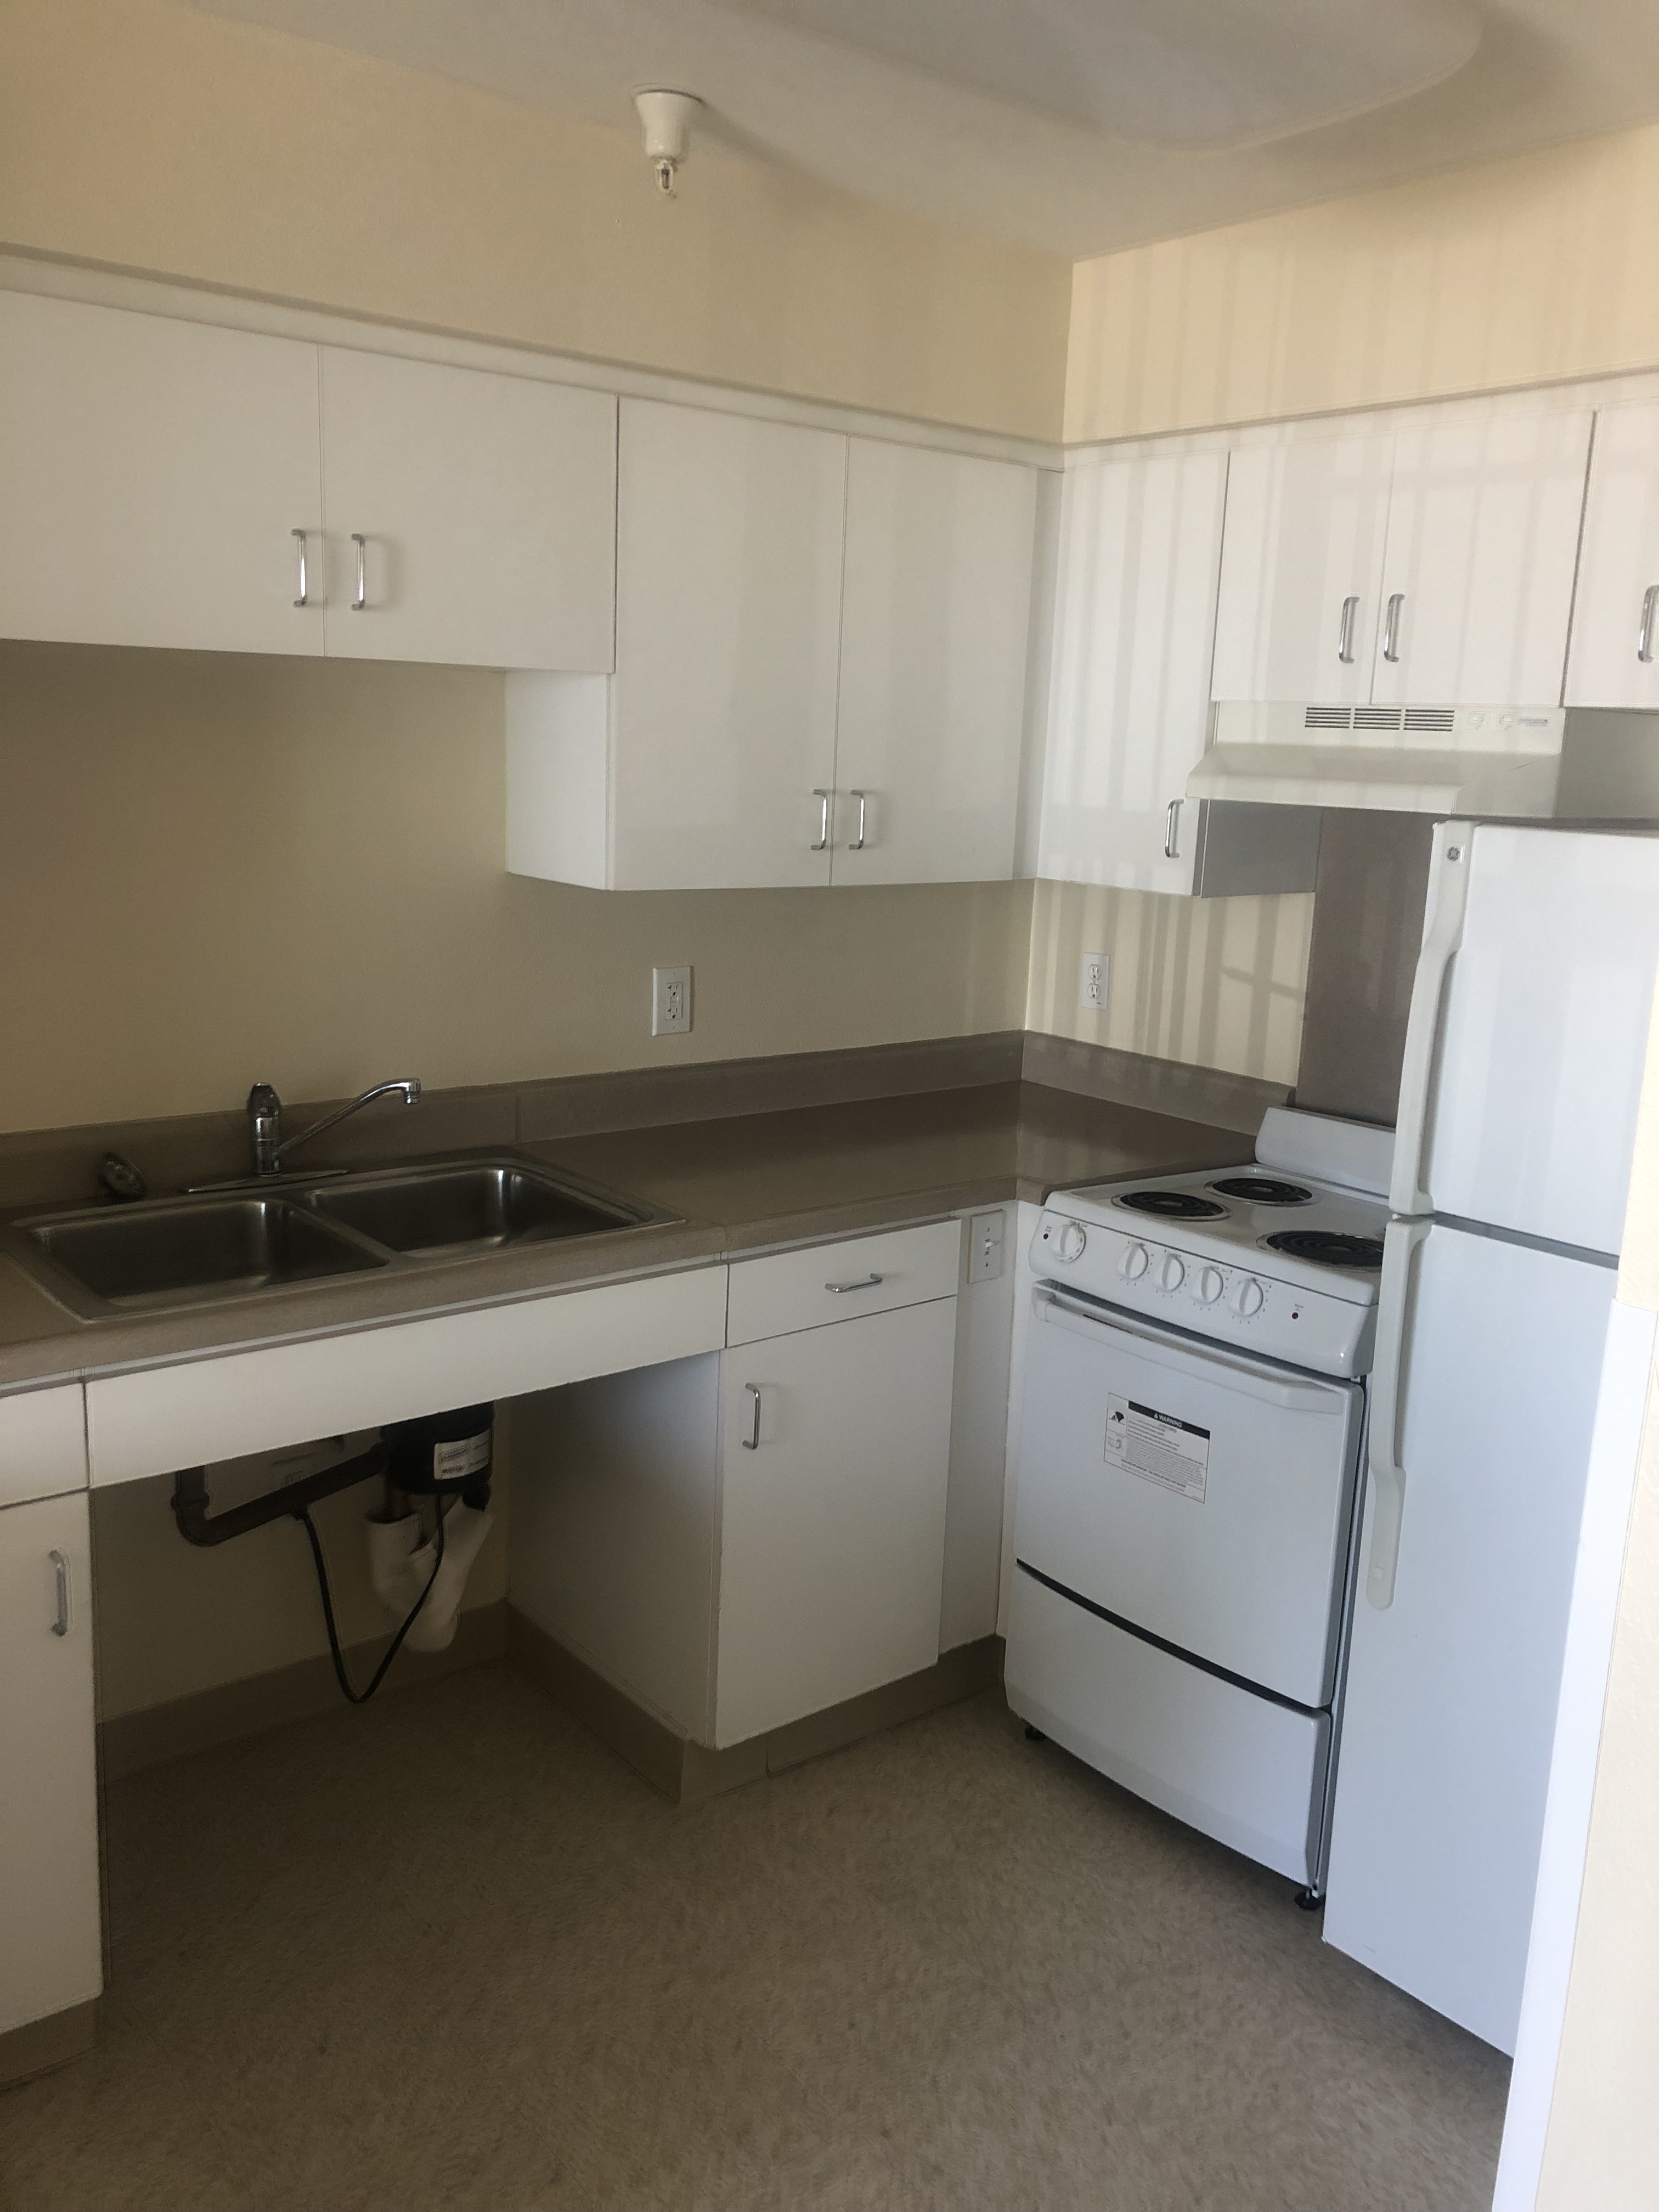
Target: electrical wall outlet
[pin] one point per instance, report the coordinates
(986, 1234)
(671, 1001)
(1091, 990)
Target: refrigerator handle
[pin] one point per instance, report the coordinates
(1399, 1250)
(1442, 932)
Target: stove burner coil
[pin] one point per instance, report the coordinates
(1263, 1190)
(1330, 1245)
(1173, 1205)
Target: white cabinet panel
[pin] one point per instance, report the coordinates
(487, 505)
(1301, 569)
(51, 1938)
(43, 1443)
(1141, 547)
(832, 1543)
(817, 1284)
(152, 475)
(728, 626)
(1482, 545)
(935, 620)
(1615, 614)
(160, 1418)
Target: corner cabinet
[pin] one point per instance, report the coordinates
(821, 666)
(1141, 540)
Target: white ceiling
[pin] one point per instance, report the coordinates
(1077, 126)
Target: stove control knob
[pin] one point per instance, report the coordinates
(1210, 1285)
(1073, 1238)
(1173, 1273)
(1136, 1260)
(1249, 1298)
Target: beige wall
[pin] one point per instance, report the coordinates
(1603, 2147)
(1217, 982)
(215, 869)
(152, 137)
(1516, 272)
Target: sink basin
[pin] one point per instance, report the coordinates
(177, 1251)
(470, 1206)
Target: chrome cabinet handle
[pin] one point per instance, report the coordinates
(1645, 635)
(863, 1283)
(362, 599)
(823, 797)
(1391, 626)
(60, 1625)
(751, 1441)
(1171, 830)
(303, 599)
(1345, 630)
(856, 844)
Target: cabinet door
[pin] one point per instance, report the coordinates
(935, 621)
(728, 626)
(1301, 566)
(1613, 660)
(1141, 545)
(1483, 541)
(153, 475)
(51, 1938)
(487, 508)
(832, 1526)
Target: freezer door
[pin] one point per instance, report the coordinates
(1527, 1032)
(1200, 1497)
(1454, 1671)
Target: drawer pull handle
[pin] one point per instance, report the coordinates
(863, 1283)
(60, 1625)
(751, 1441)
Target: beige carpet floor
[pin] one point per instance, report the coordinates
(449, 1953)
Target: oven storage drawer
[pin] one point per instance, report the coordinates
(1238, 1767)
(1201, 1496)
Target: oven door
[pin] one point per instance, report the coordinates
(1195, 1495)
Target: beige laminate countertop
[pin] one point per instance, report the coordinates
(740, 1184)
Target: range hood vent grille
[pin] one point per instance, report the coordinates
(1430, 718)
(1377, 718)
(1328, 718)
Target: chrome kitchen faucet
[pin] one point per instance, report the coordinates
(264, 1115)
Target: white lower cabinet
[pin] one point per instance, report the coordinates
(836, 1446)
(738, 1541)
(51, 1935)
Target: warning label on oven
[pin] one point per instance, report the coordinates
(1157, 1447)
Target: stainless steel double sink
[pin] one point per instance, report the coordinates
(239, 1240)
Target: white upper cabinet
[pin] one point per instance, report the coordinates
(1140, 546)
(935, 623)
(1302, 568)
(728, 629)
(154, 475)
(1482, 545)
(1615, 659)
(470, 516)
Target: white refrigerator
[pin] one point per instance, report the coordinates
(1523, 1066)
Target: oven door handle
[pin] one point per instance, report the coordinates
(1266, 1382)
(1400, 1246)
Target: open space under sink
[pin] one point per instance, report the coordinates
(278, 1231)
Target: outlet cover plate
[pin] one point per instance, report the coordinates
(987, 1241)
(671, 1001)
(1092, 982)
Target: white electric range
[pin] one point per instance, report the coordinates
(1191, 1429)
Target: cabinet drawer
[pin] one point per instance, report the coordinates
(788, 1291)
(42, 1444)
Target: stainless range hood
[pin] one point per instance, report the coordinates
(1411, 760)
